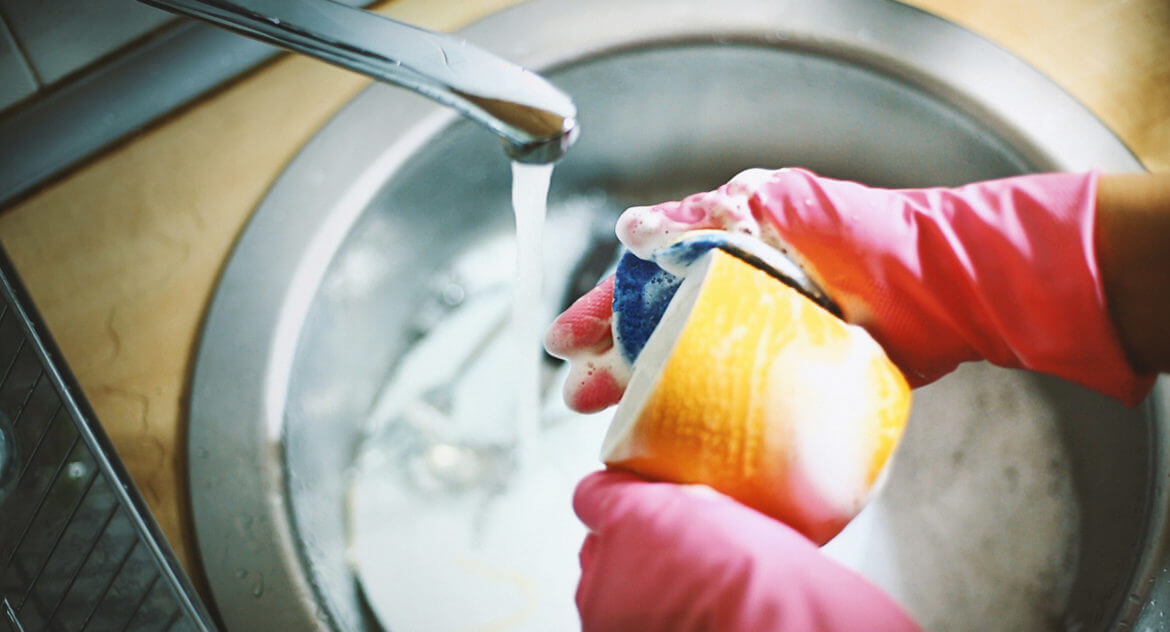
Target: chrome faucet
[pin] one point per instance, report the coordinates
(535, 120)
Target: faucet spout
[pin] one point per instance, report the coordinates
(536, 121)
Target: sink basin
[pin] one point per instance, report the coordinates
(1013, 493)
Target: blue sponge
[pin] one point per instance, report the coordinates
(642, 289)
(641, 292)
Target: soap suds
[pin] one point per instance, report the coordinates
(978, 526)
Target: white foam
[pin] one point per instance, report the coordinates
(978, 525)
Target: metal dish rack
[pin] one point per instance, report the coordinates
(79, 549)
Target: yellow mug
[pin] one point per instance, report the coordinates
(742, 383)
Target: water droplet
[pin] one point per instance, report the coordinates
(76, 470)
(453, 295)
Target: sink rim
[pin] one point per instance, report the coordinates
(249, 337)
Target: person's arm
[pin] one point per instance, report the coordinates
(1003, 270)
(1133, 251)
(662, 557)
(1060, 273)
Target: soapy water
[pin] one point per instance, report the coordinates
(459, 507)
(501, 555)
(460, 511)
(977, 527)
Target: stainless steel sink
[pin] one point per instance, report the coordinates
(380, 228)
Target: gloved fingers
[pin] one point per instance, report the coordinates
(662, 556)
(655, 559)
(592, 388)
(585, 325)
(851, 239)
(611, 500)
(644, 229)
(583, 335)
(609, 496)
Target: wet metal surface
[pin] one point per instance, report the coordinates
(334, 283)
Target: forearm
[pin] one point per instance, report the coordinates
(1061, 273)
(1132, 240)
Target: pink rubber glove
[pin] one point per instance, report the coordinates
(1002, 270)
(666, 557)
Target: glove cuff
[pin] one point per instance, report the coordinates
(1003, 270)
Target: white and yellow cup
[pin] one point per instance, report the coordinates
(749, 387)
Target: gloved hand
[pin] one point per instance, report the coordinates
(1003, 270)
(667, 557)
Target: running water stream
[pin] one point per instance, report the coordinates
(530, 185)
(460, 502)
